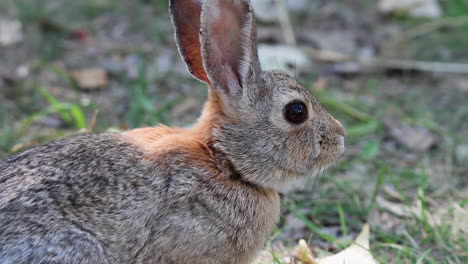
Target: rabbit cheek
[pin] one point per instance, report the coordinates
(302, 156)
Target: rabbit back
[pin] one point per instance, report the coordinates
(107, 199)
(59, 199)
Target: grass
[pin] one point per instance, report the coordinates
(142, 109)
(343, 203)
(437, 40)
(345, 197)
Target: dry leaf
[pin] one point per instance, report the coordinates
(357, 253)
(90, 78)
(416, 138)
(303, 253)
(460, 220)
(399, 209)
(416, 211)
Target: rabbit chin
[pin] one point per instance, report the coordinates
(284, 180)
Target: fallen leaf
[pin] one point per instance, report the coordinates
(459, 223)
(357, 253)
(416, 138)
(392, 192)
(90, 78)
(399, 209)
(303, 253)
(415, 211)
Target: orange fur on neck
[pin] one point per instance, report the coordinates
(154, 140)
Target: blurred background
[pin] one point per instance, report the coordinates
(395, 72)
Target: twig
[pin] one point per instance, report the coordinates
(429, 27)
(92, 123)
(425, 66)
(285, 22)
(327, 55)
(425, 29)
(348, 64)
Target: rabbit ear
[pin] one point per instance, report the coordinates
(229, 48)
(186, 20)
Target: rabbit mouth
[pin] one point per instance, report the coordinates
(329, 154)
(325, 158)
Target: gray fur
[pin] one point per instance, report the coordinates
(109, 198)
(95, 199)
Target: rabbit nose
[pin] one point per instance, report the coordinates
(337, 127)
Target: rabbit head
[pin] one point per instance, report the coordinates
(271, 128)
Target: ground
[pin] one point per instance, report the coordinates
(406, 164)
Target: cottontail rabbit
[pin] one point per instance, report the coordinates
(206, 194)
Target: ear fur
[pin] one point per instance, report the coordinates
(186, 19)
(228, 45)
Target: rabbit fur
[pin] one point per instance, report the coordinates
(205, 194)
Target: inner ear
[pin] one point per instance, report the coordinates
(186, 19)
(228, 44)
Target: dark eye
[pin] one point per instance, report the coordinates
(295, 112)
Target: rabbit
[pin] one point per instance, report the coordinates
(207, 194)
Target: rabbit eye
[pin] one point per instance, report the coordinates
(295, 112)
